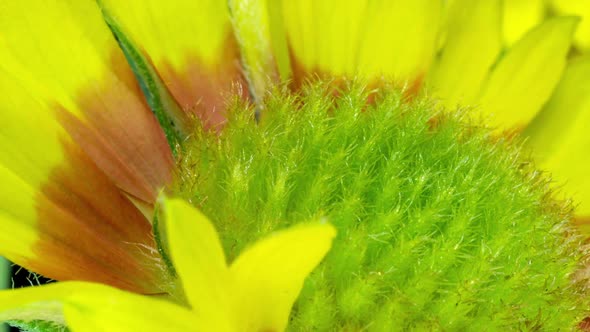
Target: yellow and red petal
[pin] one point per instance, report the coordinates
(77, 145)
(191, 47)
(60, 215)
(394, 40)
(78, 66)
(473, 42)
(559, 136)
(523, 80)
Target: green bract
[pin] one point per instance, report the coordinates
(440, 225)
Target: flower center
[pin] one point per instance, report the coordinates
(440, 226)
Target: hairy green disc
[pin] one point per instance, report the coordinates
(440, 225)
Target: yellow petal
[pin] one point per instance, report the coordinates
(270, 274)
(191, 46)
(391, 39)
(473, 42)
(200, 261)
(43, 302)
(33, 303)
(559, 134)
(29, 140)
(101, 308)
(323, 36)
(520, 16)
(400, 38)
(582, 9)
(524, 79)
(18, 233)
(95, 307)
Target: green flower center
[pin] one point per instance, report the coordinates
(440, 225)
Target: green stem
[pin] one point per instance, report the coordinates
(4, 283)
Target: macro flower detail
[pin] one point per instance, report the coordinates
(254, 293)
(560, 137)
(82, 157)
(261, 114)
(580, 9)
(192, 58)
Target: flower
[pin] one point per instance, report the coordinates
(107, 109)
(254, 293)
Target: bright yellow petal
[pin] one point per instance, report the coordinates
(200, 262)
(39, 303)
(582, 9)
(270, 274)
(391, 39)
(29, 135)
(399, 38)
(18, 233)
(191, 46)
(459, 73)
(102, 308)
(95, 307)
(520, 16)
(559, 135)
(33, 303)
(323, 36)
(524, 79)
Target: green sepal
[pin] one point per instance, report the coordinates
(38, 326)
(161, 240)
(173, 120)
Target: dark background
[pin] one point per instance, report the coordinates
(21, 277)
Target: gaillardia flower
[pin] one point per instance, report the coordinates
(262, 114)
